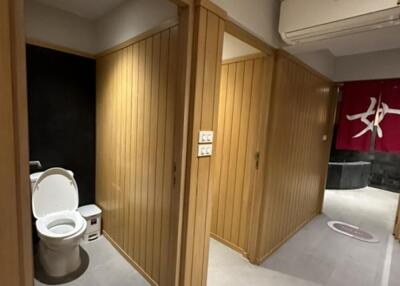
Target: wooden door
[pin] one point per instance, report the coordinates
(241, 91)
(297, 152)
(9, 256)
(15, 214)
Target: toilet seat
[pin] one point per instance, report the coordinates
(55, 191)
(61, 225)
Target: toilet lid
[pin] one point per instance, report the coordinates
(54, 191)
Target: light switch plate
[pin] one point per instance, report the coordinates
(206, 136)
(205, 150)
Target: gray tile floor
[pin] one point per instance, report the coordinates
(315, 256)
(229, 268)
(106, 267)
(319, 255)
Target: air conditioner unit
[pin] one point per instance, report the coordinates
(304, 21)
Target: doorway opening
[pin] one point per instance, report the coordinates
(104, 118)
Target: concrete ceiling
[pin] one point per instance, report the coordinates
(89, 9)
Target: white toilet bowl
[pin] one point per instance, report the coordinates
(59, 225)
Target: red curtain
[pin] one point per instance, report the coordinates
(388, 130)
(360, 100)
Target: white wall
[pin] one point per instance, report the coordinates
(131, 19)
(375, 65)
(134, 17)
(234, 48)
(259, 16)
(58, 27)
(262, 18)
(322, 61)
(65, 29)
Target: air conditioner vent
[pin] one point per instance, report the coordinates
(324, 19)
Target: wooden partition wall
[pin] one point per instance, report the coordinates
(16, 257)
(302, 111)
(136, 91)
(10, 258)
(206, 67)
(241, 90)
(396, 230)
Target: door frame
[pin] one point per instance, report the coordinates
(329, 141)
(181, 131)
(20, 150)
(396, 230)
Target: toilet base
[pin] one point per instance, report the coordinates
(60, 260)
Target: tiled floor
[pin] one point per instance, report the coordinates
(106, 267)
(319, 255)
(315, 256)
(228, 268)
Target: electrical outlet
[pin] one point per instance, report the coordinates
(204, 150)
(206, 136)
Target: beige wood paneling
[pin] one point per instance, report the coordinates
(396, 230)
(136, 90)
(9, 255)
(297, 156)
(238, 120)
(16, 238)
(207, 55)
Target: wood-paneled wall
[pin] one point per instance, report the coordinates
(15, 196)
(238, 120)
(136, 91)
(206, 67)
(396, 230)
(9, 253)
(302, 111)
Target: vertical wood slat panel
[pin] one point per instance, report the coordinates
(236, 113)
(396, 230)
(168, 168)
(227, 131)
(195, 110)
(214, 86)
(208, 37)
(10, 258)
(133, 210)
(136, 91)
(161, 147)
(218, 148)
(296, 154)
(240, 93)
(204, 165)
(152, 146)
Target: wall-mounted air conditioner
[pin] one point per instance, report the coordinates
(312, 20)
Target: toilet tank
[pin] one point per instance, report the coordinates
(35, 176)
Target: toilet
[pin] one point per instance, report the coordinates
(59, 225)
